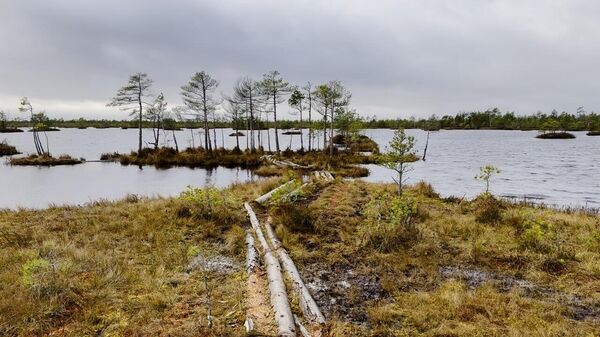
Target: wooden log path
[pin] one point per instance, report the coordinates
(278, 317)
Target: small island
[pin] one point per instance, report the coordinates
(551, 129)
(44, 160)
(7, 150)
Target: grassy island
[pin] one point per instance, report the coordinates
(7, 150)
(343, 162)
(377, 264)
(45, 160)
(10, 130)
(593, 133)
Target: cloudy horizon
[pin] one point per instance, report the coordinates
(398, 58)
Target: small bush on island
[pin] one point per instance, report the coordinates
(7, 150)
(358, 143)
(556, 135)
(45, 160)
(549, 131)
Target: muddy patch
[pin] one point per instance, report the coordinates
(341, 292)
(576, 307)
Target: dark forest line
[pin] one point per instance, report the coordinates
(491, 119)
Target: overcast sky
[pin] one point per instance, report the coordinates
(399, 58)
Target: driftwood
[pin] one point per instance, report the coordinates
(279, 300)
(265, 197)
(309, 307)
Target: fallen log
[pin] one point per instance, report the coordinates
(265, 197)
(284, 163)
(279, 299)
(309, 307)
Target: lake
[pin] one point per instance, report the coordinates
(557, 172)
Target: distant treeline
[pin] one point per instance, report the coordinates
(491, 119)
(494, 119)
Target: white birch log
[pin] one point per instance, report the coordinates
(301, 327)
(252, 267)
(279, 299)
(265, 197)
(309, 307)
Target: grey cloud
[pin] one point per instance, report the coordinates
(399, 58)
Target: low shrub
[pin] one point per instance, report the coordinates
(425, 189)
(390, 221)
(212, 204)
(487, 209)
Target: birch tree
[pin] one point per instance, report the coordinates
(275, 88)
(132, 97)
(198, 97)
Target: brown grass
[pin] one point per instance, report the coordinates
(7, 150)
(396, 284)
(45, 160)
(120, 268)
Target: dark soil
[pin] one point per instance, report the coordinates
(577, 307)
(341, 291)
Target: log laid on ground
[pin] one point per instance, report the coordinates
(309, 307)
(279, 299)
(323, 175)
(265, 197)
(252, 267)
(284, 163)
(252, 260)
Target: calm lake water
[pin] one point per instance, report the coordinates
(558, 172)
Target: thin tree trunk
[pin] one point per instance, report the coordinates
(331, 131)
(214, 130)
(301, 135)
(251, 123)
(268, 133)
(140, 120)
(310, 129)
(426, 145)
(175, 140)
(275, 121)
(207, 143)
